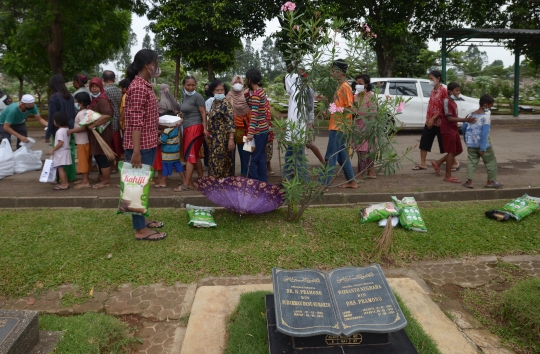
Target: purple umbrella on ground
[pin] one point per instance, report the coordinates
(241, 195)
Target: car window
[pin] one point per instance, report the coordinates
(379, 86)
(426, 88)
(403, 89)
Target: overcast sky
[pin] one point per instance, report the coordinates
(139, 23)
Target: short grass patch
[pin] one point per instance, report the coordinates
(42, 249)
(89, 333)
(247, 331)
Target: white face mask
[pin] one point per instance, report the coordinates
(238, 87)
(359, 88)
(432, 83)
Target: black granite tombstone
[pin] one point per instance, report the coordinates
(318, 312)
(19, 331)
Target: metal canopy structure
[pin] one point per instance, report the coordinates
(519, 37)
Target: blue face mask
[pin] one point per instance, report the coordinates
(219, 96)
(189, 93)
(486, 109)
(454, 97)
(76, 106)
(96, 95)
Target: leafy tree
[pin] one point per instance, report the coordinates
(158, 48)
(475, 60)
(272, 63)
(497, 62)
(408, 63)
(246, 59)
(205, 34)
(124, 58)
(146, 42)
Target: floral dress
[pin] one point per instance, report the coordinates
(220, 125)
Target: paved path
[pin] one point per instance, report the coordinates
(164, 310)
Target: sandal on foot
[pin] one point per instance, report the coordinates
(58, 188)
(452, 180)
(159, 224)
(457, 168)
(160, 186)
(82, 186)
(147, 238)
(436, 168)
(181, 188)
(470, 186)
(419, 168)
(371, 177)
(494, 185)
(100, 186)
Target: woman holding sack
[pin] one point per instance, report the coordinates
(241, 120)
(102, 105)
(141, 128)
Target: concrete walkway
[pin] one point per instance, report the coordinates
(164, 310)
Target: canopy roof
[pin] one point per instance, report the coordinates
(491, 33)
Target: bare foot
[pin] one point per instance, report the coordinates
(351, 184)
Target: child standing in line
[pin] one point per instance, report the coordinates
(479, 145)
(84, 159)
(170, 155)
(61, 152)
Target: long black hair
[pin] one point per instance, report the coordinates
(143, 57)
(254, 76)
(80, 79)
(57, 84)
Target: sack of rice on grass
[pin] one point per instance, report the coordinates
(134, 189)
(376, 212)
(521, 207)
(201, 216)
(409, 214)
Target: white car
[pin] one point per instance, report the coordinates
(418, 90)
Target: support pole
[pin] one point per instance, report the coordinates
(516, 81)
(443, 54)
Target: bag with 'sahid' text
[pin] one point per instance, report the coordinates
(409, 214)
(201, 216)
(134, 189)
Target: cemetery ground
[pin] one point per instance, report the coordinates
(81, 268)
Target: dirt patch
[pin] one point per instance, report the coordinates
(519, 165)
(131, 320)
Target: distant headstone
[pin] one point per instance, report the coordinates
(325, 312)
(19, 331)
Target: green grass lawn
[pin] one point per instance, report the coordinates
(89, 333)
(42, 249)
(247, 331)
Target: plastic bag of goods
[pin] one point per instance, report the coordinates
(7, 162)
(376, 212)
(90, 117)
(134, 189)
(521, 207)
(169, 121)
(409, 214)
(201, 216)
(26, 160)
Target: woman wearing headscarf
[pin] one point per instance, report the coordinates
(62, 101)
(167, 103)
(101, 104)
(241, 120)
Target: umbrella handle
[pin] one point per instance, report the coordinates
(249, 164)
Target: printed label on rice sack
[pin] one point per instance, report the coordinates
(376, 212)
(521, 207)
(134, 189)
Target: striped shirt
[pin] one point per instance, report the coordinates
(256, 101)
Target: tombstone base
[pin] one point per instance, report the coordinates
(361, 343)
(19, 331)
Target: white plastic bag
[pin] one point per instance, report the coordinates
(26, 160)
(6, 159)
(48, 174)
(29, 144)
(249, 146)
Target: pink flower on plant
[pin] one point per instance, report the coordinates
(333, 108)
(296, 27)
(400, 107)
(288, 6)
(374, 35)
(337, 44)
(367, 29)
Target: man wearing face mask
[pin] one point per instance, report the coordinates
(115, 95)
(13, 119)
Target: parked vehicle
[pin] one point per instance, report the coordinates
(418, 90)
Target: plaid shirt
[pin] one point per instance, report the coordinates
(141, 114)
(115, 95)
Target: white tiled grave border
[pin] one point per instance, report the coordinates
(207, 327)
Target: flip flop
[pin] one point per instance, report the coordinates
(452, 180)
(147, 238)
(494, 185)
(457, 168)
(160, 224)
(272, 173)
(57, 188)
(100, 186)
(419, 168)
(436, 168)
(181, 188)
(82, 186)
(370, 177)
(470, 186)
(160, 186)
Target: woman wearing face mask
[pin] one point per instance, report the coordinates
(141, 128)
(363, 100)
(221, 128)
(194, 114)
(101, 104)
(61, 100)
(241, 120)
(431, 130)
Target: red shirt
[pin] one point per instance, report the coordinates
(141, 114)
(435, 105)
(450, 110)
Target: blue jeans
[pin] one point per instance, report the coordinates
(147, 158)
(336, 142)
(257, 166)
(243, 162)
(301, 163)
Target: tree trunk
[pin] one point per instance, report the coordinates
(21, 83)
(385, 61)
(177, 77)
(55, 48)
(211, 74)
